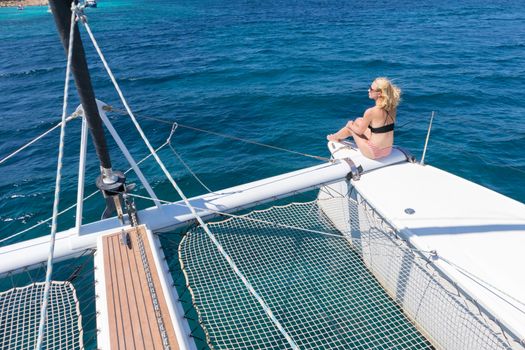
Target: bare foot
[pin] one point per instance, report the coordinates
(332, 138)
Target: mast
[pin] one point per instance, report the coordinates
(111, 183)
(62, 13)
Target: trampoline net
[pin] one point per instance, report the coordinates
(338, 281)
(70, 322)
(20, 317)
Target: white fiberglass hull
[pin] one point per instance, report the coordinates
(173, 216)
(471, 236)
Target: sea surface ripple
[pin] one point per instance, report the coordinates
(285, 73)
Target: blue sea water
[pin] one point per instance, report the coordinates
(284, 73)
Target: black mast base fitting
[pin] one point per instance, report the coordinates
(114, 188)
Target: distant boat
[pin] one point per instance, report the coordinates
(91, 3)
(20, 7)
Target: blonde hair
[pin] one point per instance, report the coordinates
(390, 94)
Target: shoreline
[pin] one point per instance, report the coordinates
(24, 3)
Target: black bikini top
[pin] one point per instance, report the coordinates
(382, 129)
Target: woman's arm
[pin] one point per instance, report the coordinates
(342, 134)
(357, 127)
(361, 124)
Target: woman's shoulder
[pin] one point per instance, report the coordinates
(374, 111)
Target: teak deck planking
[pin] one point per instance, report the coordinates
(133, 321)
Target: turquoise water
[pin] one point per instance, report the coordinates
(285, 73)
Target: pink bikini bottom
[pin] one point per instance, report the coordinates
(378, 152)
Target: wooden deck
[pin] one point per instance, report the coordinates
(132, 288)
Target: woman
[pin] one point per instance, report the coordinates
(374, 132)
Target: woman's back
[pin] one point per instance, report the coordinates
(381, 128)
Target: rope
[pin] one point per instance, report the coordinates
(493, 289)
(181, 194)
(168, 141)
(45, 298)
(245, 217)
(480, 281)
(74, 205)
(72, 116)
(324, 159)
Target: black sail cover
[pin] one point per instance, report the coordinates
(62, 13)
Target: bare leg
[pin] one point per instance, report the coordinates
(362, 144)
(341, 134)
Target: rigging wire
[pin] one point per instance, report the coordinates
(69, 118)
(465, 272)
(232, 264)
(74, 205)
(173, 129)
(49, 272)
(324, 159)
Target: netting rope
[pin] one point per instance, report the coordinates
(20, 314)
(359, 287)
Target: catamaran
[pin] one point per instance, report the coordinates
(433, 262)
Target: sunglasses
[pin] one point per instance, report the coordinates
(372, 89)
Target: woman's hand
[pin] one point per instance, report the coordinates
(342, 134)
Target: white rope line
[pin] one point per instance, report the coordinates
(463, 149)
(45, 298)
(493, 289)
(181, 194)
(173, 129)
(72, 116)
(246, 217)
(74, 205)
(291, 227)
(324, 159)
(480, 281)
